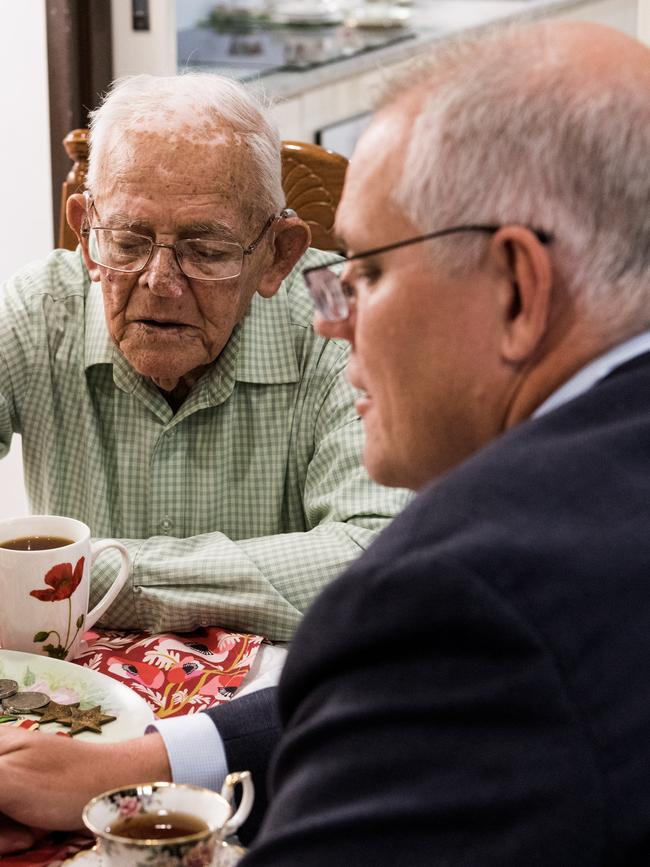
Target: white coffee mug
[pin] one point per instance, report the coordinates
(159, 800)
(44, 593)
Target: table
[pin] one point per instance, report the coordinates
(175, 674)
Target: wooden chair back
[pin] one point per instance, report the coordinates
(312, 179)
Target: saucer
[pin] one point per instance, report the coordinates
(227, 856)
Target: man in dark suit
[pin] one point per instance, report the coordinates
(474, 690)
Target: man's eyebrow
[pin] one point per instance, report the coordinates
(119, 220)
(209, 227)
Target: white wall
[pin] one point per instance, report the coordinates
(25, 225)
(152, 50)
(25, 218)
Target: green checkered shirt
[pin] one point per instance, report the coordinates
(237, 509)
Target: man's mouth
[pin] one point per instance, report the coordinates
(162, 324)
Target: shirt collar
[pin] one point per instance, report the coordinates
(267, 352)
(98, 346)
(262, 350)
(596, 370)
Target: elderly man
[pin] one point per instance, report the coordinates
(166, 380)
(474, 689)
(171, 391)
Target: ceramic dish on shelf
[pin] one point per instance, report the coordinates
(378, 16)
(67, 683)
(308, 15)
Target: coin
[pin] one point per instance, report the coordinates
(7, 688)
(25, 702)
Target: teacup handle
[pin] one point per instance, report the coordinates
(95, 550)
(247, 797)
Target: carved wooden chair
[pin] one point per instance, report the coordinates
(312, 178)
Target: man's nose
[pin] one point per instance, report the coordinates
(163, 275)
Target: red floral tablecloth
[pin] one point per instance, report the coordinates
(174, 673)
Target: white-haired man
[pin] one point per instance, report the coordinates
(166, 380)
(474, 689)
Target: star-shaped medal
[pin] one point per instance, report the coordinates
(55, 712)
(92, 719)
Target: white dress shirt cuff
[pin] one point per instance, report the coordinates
(195, 750)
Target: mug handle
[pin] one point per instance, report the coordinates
(247, 797)
(95, 550)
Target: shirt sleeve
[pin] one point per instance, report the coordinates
(195, 750)
(17, 331)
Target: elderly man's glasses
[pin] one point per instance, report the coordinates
(204, 258)
(334, 296)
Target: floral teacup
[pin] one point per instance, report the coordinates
(198, 849)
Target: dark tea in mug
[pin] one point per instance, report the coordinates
(36, 543)
(158, 826)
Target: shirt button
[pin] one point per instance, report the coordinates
(137, 589)
(166, 524)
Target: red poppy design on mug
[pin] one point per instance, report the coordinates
(62, 580)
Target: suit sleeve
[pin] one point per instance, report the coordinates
(250, 728)
(427, 724)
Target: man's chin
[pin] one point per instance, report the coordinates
(159, 370)
(384, 469)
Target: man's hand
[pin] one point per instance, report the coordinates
(47, 780)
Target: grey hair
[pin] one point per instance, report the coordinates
(200, 107)
(511, 135)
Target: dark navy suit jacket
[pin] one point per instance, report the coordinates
(475, 689)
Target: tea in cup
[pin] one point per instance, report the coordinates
(168, 823)
(45, 564)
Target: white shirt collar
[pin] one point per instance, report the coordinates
(596, 370)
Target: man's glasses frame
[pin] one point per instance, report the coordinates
(178, 254)
(333, 297)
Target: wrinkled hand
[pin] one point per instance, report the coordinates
(47, 780)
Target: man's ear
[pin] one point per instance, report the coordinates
(76, 212)
(525, 293)
(291, 239)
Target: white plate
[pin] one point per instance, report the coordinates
(228, 855)
(65, 683)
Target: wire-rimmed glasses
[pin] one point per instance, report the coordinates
(333, 296)
(203, 258)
